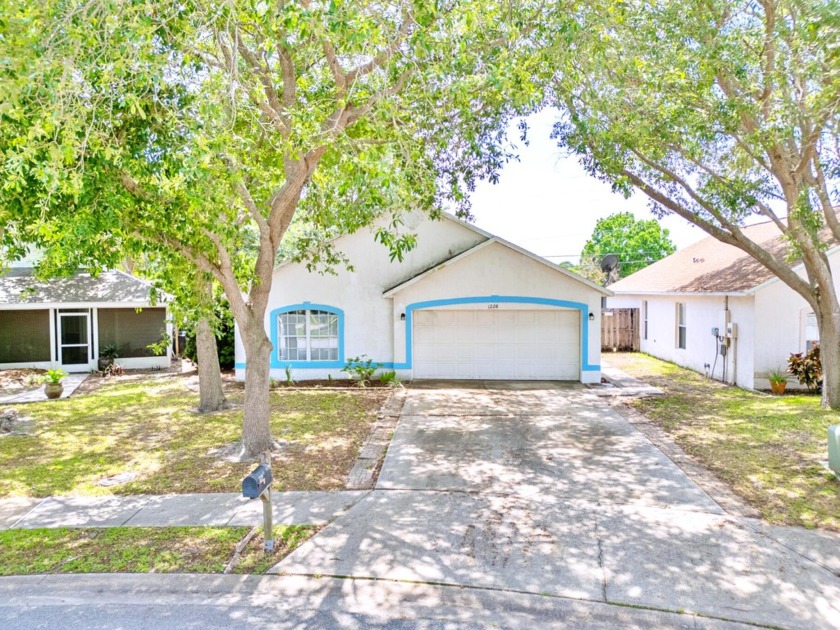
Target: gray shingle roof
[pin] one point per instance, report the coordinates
(19, 286)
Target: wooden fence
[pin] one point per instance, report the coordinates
(620, 329)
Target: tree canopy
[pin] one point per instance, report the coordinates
(718, 111)
(203, 130)
(636, 242)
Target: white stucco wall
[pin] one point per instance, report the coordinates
(702, 314)
(780, 325)
(372, 323)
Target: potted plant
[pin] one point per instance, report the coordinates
(107, 354)
(778, 382)
(52, 383)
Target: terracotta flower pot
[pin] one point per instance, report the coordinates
(778, 388)
(53, 390)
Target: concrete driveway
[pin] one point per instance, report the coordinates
(546, 489)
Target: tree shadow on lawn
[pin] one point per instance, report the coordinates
(149, 427)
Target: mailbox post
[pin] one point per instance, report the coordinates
(268, 519)
(258, 485)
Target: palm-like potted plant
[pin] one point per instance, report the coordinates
(778, 381)
(52, 383)
(107, 354)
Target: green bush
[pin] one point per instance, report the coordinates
(807, 367)
(389, 378)
(224, 338)
(361, 368)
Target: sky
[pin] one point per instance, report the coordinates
(548, 204)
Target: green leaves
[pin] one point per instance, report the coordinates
(697, 99)
(637, 243)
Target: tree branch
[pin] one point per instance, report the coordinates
(380, 58)
(734, 238)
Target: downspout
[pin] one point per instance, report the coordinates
(732, 350)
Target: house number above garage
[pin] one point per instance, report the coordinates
(492, 306)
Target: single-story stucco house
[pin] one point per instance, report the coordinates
(711, 286)
(463, 304)
(64, 322)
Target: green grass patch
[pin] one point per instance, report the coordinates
(148, 426)
(768, 449)
(141, 550)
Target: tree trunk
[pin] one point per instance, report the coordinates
(210, 394)
(828, 320)
(256, 429)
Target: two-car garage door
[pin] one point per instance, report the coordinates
(497, 344)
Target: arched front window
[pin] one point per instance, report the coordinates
(307, 335)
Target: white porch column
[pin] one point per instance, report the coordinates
(53, 337)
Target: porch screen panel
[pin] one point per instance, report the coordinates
(131, 330)
(24, 336)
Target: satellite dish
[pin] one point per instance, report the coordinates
(609, 263)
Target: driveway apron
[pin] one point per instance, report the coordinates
(544, 488)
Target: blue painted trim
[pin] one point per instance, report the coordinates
(305, 306)
(409, 310)
(502, 299)
(319, 364)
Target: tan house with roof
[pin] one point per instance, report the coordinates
(712, 308)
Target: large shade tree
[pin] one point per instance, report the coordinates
(194, 127)
(636, 242)
(719, 111)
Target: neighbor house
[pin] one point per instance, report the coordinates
(712, 308)
(65, 322)
(463, 304)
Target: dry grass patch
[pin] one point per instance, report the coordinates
(768, 449)
(148, 426)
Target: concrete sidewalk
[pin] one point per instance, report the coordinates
(290, 508)
(620, 383)
(71, 383)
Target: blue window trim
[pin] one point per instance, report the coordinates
(585, 366)
(502, 299)
(305, 306)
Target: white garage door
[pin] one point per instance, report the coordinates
(497, 344)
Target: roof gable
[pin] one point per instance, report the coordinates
(491, 241)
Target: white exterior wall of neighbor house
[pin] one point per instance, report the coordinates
(702, 314)
(372, 323)
(367, 315)
(781, 322)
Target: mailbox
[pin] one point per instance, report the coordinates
(257, 482)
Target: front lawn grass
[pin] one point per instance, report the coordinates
(141, 550)
(768, 449)
(148, 427)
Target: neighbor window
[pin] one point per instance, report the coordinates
(812, 331)
(681, 330)
(131, 330)
(307, 335)
(644, 319)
